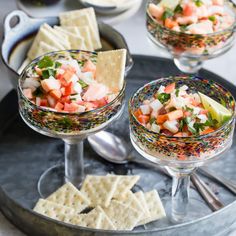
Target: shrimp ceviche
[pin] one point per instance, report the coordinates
(177, 112)
(66, 85)
(192, 16)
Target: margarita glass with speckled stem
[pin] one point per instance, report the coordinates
(72, 128)
(189, 51)
(181, 155)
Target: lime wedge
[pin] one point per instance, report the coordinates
(217, 111)
(171, 4)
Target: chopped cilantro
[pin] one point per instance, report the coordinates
(177, 92)
(65, 122)
(178, 9)
(183, 28)
(152, 120)
(192, 130)
(163, 97)
(199, 127)
(188, 109)
(211, 122)
(47, 73)
(212, 18)
(45, 62)
(82, 83)
(181, 125)
(57, 64)
(167, 14)
(198, 3)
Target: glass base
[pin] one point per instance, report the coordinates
(195, 210)
(187, 65)
(54, 177)
(51, 179)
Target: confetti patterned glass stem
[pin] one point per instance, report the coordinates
(191, 50)
(183, 154)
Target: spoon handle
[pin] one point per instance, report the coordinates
(207, 194)
(220, 179)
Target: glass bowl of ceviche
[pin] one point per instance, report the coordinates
(174, 123)
(192, 30)
(59, 97)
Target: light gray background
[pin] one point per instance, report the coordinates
(133, 29)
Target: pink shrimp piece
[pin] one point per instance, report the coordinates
(204, 27)
(187, 20)
(218, 2)
(95, 92)
(156, 11)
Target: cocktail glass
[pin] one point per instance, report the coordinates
(189, 51)
(181, 155)
(72, 128)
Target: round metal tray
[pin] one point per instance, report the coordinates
(25, 154)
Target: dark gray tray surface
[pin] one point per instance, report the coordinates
(25, 154)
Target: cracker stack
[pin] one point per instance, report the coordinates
(115, 206)
(78, 30)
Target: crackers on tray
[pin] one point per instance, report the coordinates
(103, 202)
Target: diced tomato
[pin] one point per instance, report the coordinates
(28, 93)
(43, 102)
(170, 23)
(56, 94)
(65, 99)
(72, 107)
(68, 89)
(90, 106)
(89, 67)
(59, 106)
(137, 113)
(203, 112)
(59, 76)
(187, 113)
(207, 131)
(170, 88)
(143, 119)
(161, 119)
(174, 115)
(100, 103)
(188, 10)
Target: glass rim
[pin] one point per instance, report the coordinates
(230, 28)
(121, 92)
(189, 137)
